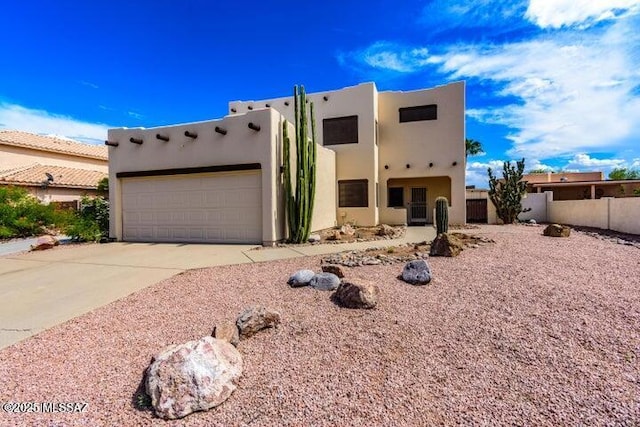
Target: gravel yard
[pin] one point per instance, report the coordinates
(530, 330)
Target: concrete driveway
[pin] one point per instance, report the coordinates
(39, 290)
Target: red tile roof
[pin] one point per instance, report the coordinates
(35, 175)
(52, 144)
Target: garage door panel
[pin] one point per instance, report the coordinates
(193, 208)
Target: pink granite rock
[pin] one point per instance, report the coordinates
(194, 376)
(45, 242)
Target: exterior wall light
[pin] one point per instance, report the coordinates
(267, 105)
(233, 110)
(192, 135)
(136, 140)
(431, 164)
(326, 98)
(253, 126)
(220, 130)
(250, 107)
(164, 138)
(454, 163)
(386, 166)
(408, 166)
(286, 103)
(111, 143)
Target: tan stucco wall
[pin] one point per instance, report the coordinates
(534, 178)
(625, 215)
(241, 145)
(440, 142)
(324, 208)
(13, 157)
(53, 194)
(537, 202)
(591, 213)
(353, 161)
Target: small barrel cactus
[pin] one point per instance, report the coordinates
(442, 215)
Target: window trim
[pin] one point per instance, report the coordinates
(389, 205)
(429, 108)
(365, 195)
(337, 119)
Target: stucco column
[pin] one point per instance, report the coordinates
(593, 191)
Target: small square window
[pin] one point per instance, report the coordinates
(353, 193)
(418, 113)
(340, 130)
(396, 197)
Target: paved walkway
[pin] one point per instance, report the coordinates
(39, 290)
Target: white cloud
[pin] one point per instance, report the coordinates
(470, 13)
(388, 56)
(581, 13)
(583, 161)
(636, 163)
(43, 122)
(575, 94)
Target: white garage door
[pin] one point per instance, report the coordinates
(212, 208)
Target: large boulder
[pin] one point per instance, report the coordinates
(254, 319)
(325, 282)
(334, 269)
(446, 244)
(227, 331)
(557, 230)
(195, 376)
(45, 242)
(417, 272)
(356, 295)
(300, 278)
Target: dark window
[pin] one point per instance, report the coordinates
(396, 197)
(419, 113)
(341, 130)
(353, 193)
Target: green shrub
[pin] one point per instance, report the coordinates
(92, 220)
(22, 215)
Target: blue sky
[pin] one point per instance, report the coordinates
(556, 82)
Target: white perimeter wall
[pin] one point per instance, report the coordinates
(608, 213)
(537, 202)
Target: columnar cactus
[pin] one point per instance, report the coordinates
(442, 215)
(300, 203)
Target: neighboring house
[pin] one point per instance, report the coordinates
(382, 158)
(579, 185)
(52, 169)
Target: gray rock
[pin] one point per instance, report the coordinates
(417, 272)
(356, 295)
(325, 282)
(314, 238)
(300, 278)
(255, 319)
(194, 376)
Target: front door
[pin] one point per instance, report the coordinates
(418, 206)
